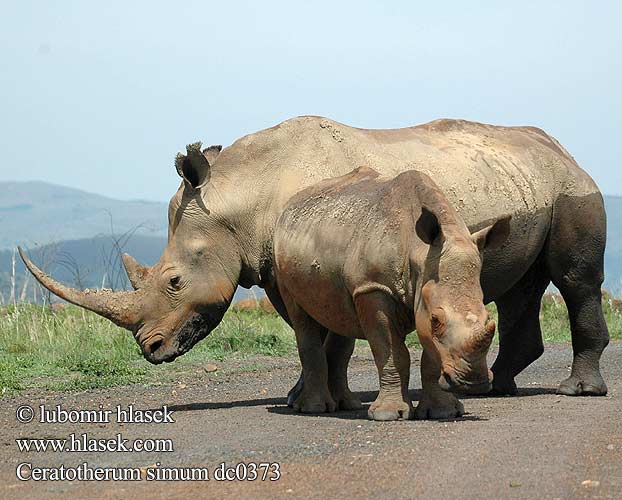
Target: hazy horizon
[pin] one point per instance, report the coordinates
(101, 97)
(113, 197)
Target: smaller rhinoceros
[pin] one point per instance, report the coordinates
(374, 259)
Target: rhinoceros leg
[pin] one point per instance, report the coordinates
(376, 313)
(295, 391)
(277, 301)
(576, 261)
(338, 352)
(435, 403)
(589, 339)
(315, 396)
(520, 337)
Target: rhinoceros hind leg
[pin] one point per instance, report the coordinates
(376, 313)
(520, 336)
(589, 338)
(435, 403)
(338, 352)
(576, 260)
(583, 385)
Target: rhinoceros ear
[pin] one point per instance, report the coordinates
(493, 236)
(212, 153)
(427, 227)
(193, 167)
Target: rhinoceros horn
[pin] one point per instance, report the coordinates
(135, 272)
(122, 308)
(484, 338)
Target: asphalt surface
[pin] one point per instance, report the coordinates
(536, 445)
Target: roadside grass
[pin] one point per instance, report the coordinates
(73, 349)
(554, 319)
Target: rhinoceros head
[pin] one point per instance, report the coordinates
(451, 319)
(182, 298)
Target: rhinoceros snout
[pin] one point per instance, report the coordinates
(452, 383)
(153, 347)
(157, 351)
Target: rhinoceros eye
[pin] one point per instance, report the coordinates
(437, 322)
(174, 282)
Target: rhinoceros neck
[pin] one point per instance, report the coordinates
(250, 205)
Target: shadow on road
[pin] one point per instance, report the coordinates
(228, 404)
(279, 405)
(523, 392)
(360, 415)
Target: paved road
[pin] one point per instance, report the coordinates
(536, 445)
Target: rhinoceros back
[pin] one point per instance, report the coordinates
(485, 171)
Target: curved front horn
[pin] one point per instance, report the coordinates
(136, 272)
(482, 339)
(122, 308)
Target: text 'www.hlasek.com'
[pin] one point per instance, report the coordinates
(92, 442)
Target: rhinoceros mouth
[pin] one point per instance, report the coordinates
(196, 328)
(457, 384)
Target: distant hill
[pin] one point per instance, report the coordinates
(36, 213)
(86, 263)
(68, 232)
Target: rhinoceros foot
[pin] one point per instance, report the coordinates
(315, 402)
(348, 402)
(343, 396)
(586, 385)
(438, 406)
(503, 386)
(294, 392)
(390, 410)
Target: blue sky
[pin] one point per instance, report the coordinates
(101, 95)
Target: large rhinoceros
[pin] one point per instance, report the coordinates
(222, 220)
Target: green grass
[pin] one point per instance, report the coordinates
(74, 349)
(554, 321)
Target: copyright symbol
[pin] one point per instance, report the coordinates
(25, 414)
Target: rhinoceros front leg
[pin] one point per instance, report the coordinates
(315, 396)
(338, 352)
(295, 391)
(277, 301)
(435, 403)
(520, 336)
(376, 313)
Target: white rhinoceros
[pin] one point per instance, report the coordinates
(222, 220)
